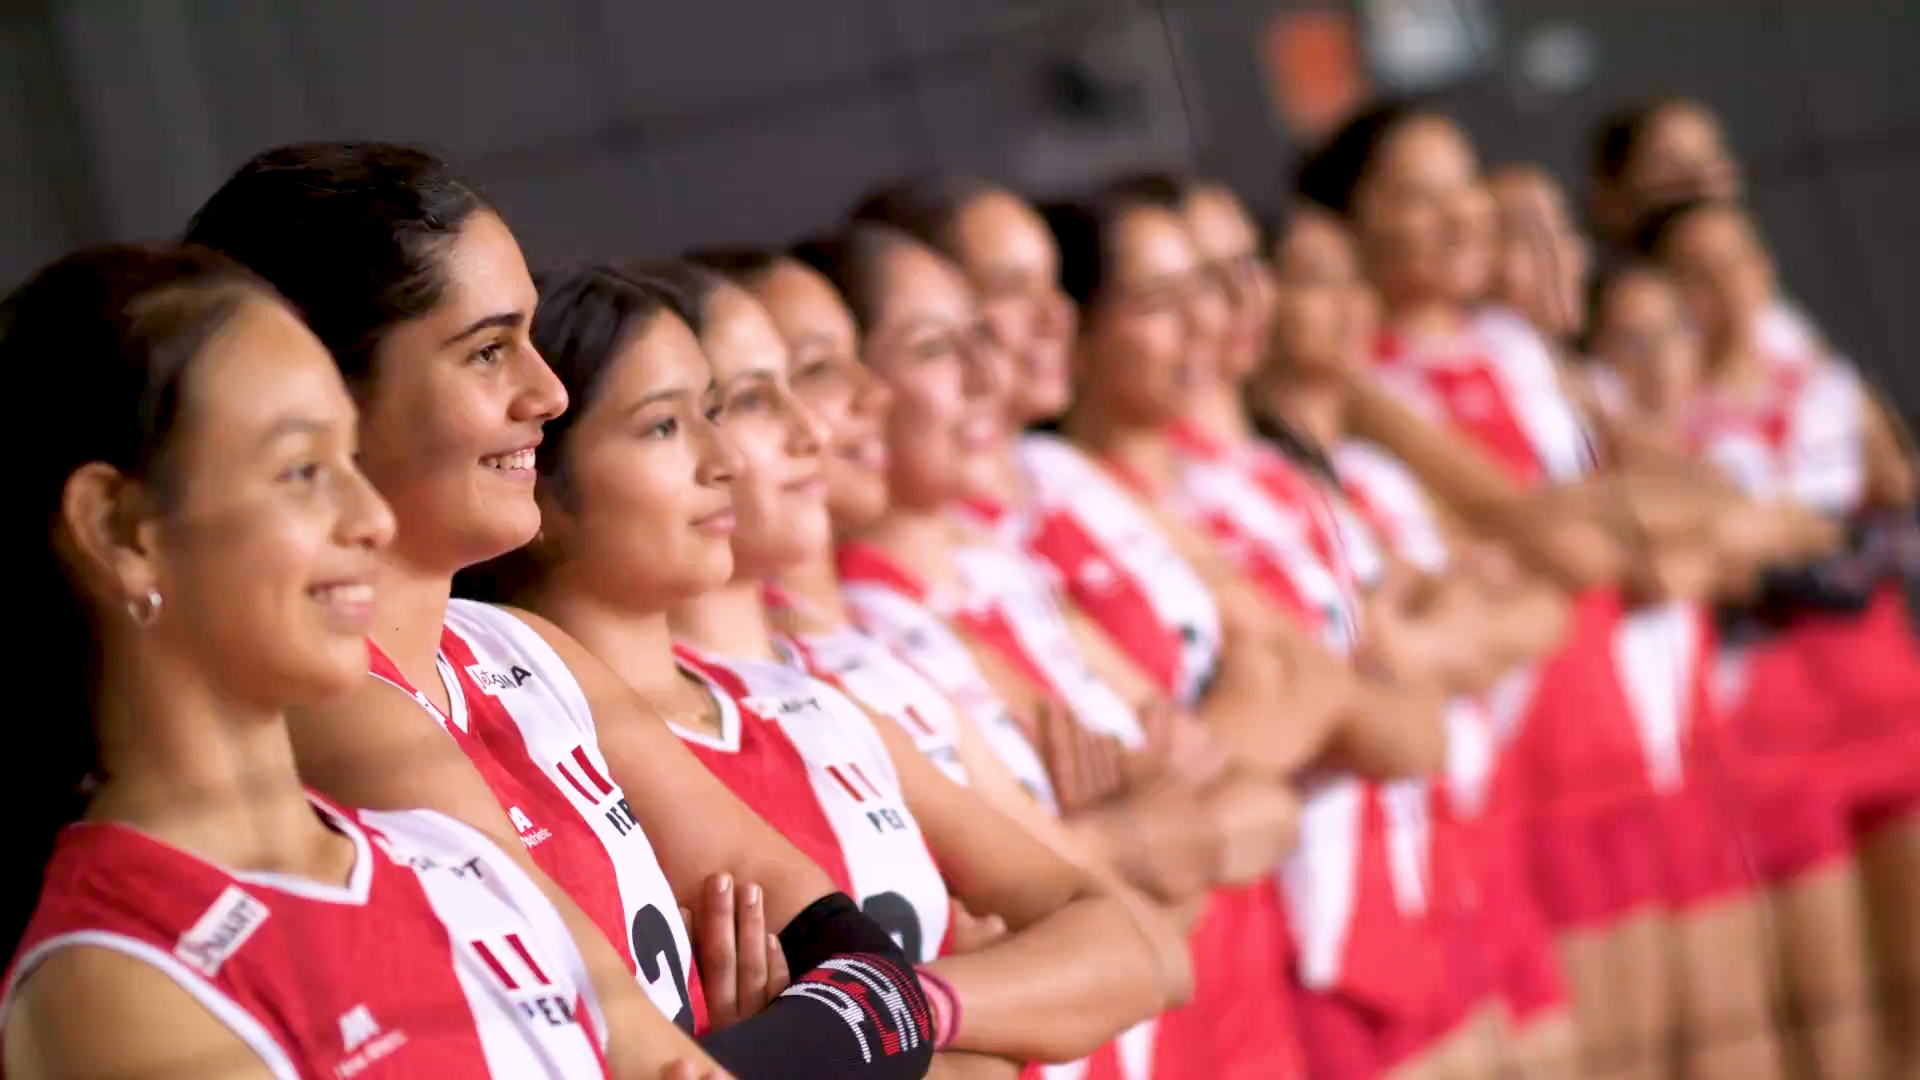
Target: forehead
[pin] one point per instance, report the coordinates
(920, 283)
(1315, 244)
(801, 300)
(1221, 226)
(485, 270)
(1712, 226)
(740, 336)
(663, 356)
(997, 226)
(1638, 293)
(262, 368)
(1682, 126)
(1148, 242)
(1528, 190)
(1423, 147)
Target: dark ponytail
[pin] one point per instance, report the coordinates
(100, 345)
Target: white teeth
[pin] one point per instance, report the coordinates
(519, 459)
(345, 594)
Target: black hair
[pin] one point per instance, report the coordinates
(1331, 175)
(923, 207)
(1083, 230)
(1657, 226)
(1166, 190)
(104, 342)
(691, 285)
(587, 317)
(853, 260)
(1600, 289)
(1617, 139)
(351, 233)
(743, 266)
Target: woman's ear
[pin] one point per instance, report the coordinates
(108, 529)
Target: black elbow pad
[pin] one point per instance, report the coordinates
(855, 1008)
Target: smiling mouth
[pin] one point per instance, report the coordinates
(512, 461)
(346, 594)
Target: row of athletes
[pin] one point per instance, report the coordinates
(1075, 683)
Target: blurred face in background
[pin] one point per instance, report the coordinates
(1009, 255)
(1150, 341)
(1725, 275)
(1682, 154)
(1229, 244)
(828, 377)
(932, 346)
(1641, 332)
(780, 490)
(1424, 219)
(1540, 268)
(1325, 312)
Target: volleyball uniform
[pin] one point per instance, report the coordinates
(893, 610)
(523, 721)
(1837, 691)
(810, 763)
(1499, 942)
(1236, 1027)
(437, 957)
(1592, 850)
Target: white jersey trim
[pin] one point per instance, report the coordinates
(224, 1009)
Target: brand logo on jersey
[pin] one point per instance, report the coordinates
(220, 932)
(767, 706)
(514, 968)
(1097, 575)
(492, 682)
(363, 1042)
(530, 834)
(867, 794)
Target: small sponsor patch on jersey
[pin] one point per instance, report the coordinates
(493, 683)
(220, 932)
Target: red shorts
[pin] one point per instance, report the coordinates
(1342, 1038)
(1707, 858)
(1590, 867)
(1239, 1025)
(1784, 786)
(1869, 665)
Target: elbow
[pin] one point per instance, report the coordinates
(1584, 556)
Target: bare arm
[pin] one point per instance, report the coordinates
(697, 827)
(1076, 970)
(95, 1013)
(338, 746)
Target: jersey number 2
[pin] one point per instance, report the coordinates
(653, 941)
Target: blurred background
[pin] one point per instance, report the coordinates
(639, 127)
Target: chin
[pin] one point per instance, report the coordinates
(857, 506)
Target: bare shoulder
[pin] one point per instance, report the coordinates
(96, 1012)
(596, 679)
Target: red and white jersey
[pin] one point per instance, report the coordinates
(437, 957)
(892, 608)
(1802, 440)
(1109, 555)
(1498, 382)
(523, 721)
(810, 763)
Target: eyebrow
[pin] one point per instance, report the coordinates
(292, 425)
(658, 396)
(505, 320)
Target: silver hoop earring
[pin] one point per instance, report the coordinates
(146, 609)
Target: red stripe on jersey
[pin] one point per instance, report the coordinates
(520, 948)
(593, 774)
(493, 962)
(841, 779)
(918, 722)
(872, 788)
(561, 766)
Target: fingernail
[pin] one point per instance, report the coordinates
(753, 895)
(724, 884)
(773, 942)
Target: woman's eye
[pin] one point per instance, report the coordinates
(747, 401)
(664, 429)
(305, 473)
(491, 354)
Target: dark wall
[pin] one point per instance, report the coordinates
(611, 127)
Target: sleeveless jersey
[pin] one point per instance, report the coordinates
(1802, 440)
(865, 669)
(438, 957)
(809, 762)
(1118, 566)
(523, 721)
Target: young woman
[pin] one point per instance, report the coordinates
(1807, 433)
(1663, 152)
(1408, 182)
(923, 334)
(1667, 656)
(852, 794)
(501, 720)
(211, 557)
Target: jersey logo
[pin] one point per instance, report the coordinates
(1097, 575)
(515, 969)
(618, 814)
(219, 933)
(530, 834)
(493, 682)
(861, 791)
(363, 1042)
